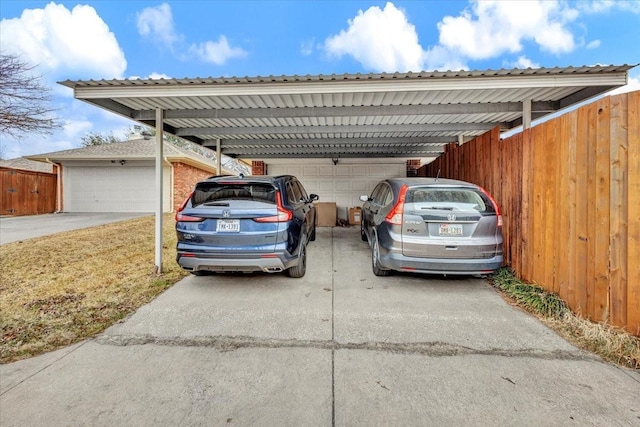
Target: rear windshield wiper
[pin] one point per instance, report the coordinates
(438, 208)
(216, 204)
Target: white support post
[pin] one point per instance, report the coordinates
(159, 208)
(218, 157)
(526, 114)
(460, 140)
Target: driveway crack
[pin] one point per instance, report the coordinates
(431, 349)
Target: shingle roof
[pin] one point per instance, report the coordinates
(26, 164)
(142, 149)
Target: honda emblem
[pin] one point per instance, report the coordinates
(451, 217)
(226, 213)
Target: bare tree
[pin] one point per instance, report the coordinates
(24, 100)
(91, 139)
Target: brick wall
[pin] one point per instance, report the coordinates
(412, 167)
(185, 178)
(258, 167)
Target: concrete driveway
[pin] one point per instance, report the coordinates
(17, 228)
(337, 347)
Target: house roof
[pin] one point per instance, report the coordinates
(351, 115)
(26, 164)
(139, 149)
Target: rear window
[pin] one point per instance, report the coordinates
(459, 199)
(212, 192)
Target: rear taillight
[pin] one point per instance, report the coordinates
(283, 215)
(395, 215)
(186, 218)
(495, 206)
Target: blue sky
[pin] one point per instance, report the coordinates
(154, 39)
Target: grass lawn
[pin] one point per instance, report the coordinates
(60, 289)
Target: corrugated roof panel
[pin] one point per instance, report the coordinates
(266, 101)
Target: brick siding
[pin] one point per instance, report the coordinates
(412, 167)
(185, 178)
(258, 167)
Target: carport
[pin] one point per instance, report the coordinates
(350, 116)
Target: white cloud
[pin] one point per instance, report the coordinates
(307, 46)
(74, 129)
(217, 52)
(156, 24)
(522, 62)
(380, 39)
(152, 76)
(65, 41)
(494, 27)
(602, 6)
(594, 44)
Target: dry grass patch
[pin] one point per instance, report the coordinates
(61, 289)
(610, 343)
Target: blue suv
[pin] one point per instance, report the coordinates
(246, 224)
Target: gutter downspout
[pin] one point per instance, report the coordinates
(58, 186)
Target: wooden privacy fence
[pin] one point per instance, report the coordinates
(569, 190)
(27, 192)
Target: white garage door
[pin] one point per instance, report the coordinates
(343, 183)
(112, 189)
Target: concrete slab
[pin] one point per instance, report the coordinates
(18, 228)
(269, 306)
(383, 389)
(339, 347)
(149, 385)
(408, 308)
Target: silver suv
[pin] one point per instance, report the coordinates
(253, 223)
(430, 225)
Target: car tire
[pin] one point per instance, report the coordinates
(299, 269)
(363, 235)
(375, 260)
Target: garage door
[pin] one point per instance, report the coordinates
(342, 183)
(112, 189)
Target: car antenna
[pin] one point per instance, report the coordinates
(438, 175)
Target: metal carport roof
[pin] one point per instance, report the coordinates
(351, 115)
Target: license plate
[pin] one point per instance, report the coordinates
(228, 225)
(450, 230)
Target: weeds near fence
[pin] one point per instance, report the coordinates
(612, 344)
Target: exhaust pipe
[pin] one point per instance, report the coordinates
(273, 269)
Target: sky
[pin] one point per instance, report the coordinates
(111, 39)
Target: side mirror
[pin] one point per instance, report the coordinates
(365, 199)
(314, 197)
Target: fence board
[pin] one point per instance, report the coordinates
(633, 214)
(581, 211)
(603, 163)
(618, 222)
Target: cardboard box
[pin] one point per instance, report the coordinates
(355, 215)
(327, 213)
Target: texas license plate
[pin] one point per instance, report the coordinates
(228, 225)
(450, 230)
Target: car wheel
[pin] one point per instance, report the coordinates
(375, 260)
(312, 237)
(363, 235)
(298, 270)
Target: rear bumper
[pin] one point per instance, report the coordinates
(397, 261)
(267, 262)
